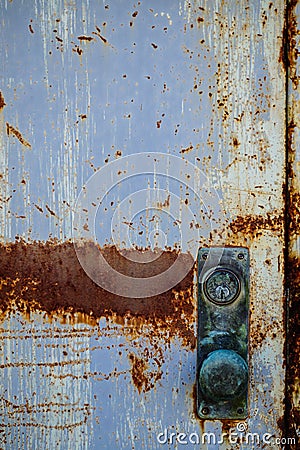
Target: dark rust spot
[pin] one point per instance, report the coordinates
(48, 277)
(2, 102)
(103, 39)
(50, 211)
(38, 208)
(85, 38)
(11, 130)
(235, 142)
(77, 49)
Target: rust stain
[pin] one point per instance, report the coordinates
(164, 204)
(293, 51)
(98, 33)
(50, 211)
(186, 150)
(11, 130)
(292, 416)
(235, 142)
(293, 195)
(255, 225)
(259, 332)
(288, 53)
(292, 419)
(38, 208)
(48, 277)
(85, 38)
(143, 378)
(77, 49)
(2, 102)
(293, 372)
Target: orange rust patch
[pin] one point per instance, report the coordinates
(2, 102)
(142, 377)
(11, 130)
(48, 277)
(254, 225)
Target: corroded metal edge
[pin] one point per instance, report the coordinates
(292, 419)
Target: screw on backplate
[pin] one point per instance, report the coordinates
(241, 256)
(240, 410)
(204, 256)
(205, 410)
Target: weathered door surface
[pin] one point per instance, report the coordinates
(142, 131)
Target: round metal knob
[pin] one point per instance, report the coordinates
(223, 375)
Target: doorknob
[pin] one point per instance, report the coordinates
(222, 341)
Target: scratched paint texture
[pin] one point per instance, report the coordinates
(84, 83)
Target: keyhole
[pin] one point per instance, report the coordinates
(222, 292)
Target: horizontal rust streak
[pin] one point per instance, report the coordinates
(44, 364)
(254, 225)
(46, 427)
(85, 38)
(48, 277)
(12, 130)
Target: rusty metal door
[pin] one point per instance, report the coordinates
(141, 131)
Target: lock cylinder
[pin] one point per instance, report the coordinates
(222, 342)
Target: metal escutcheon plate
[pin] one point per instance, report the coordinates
(222, 342)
